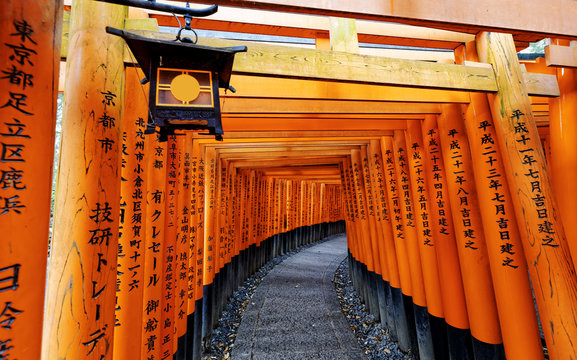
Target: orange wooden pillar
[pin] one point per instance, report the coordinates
(470, 235)
(30, 34)
(375, 176)
(387, 245)
(563, 144)
(513, 295)
(196, 255)
(131, 247)
(219, 239)
(154, 231)
(419, 306)
(363, 230)
(182, 245)
(349, 218)
(426, 237)
(452, 292)
(403, 299)
(544, 241)
(361, 171)
(209, 316)
(81, 288)
(353, 238)
(169, 251)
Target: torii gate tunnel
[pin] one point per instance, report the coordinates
(451, 168)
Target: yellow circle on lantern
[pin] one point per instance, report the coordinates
(185, 88)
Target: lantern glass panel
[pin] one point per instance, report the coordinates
(184, 88)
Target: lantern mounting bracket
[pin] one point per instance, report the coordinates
(153, 5)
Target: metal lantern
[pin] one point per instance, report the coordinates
(184, 81)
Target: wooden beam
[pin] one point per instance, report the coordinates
(285, 61)
(312, 117)
(306, 160)
(292, 106)
(541, 84)
(299, 154)
(555, 16)
(313, 135)
(276, 87)
(268, 124)
(308, 26)
(303, 170)
(561, 56)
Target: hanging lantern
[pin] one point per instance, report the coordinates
(184, 81)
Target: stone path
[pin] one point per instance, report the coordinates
(295, 312)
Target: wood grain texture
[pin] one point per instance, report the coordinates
(544, 242)
(81, 287)
(472, 16)
(27, 131)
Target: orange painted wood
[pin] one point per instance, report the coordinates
(469, 232)
(372, 216)
(29, 86)
(394, 202)
(169, 252)
(81, 287)
(361, 210)
(544, 241)
(209, 214)
(353, 225)
(367, 210)
(387, 244)
(220, 255)
(131, 247)
(196, 257)
(349, 212)
(376, 178)
(423, 217)
(409, 218)
(513, 295)
(469, 16)
(563, 159)
(450, 278)
(153, 247)
(184, 143)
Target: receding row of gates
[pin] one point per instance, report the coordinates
(443, 175)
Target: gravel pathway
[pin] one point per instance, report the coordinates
(373, 339)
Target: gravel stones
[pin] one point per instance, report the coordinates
(373, 338)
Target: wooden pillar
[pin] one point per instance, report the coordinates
(30, 37)
(508, 266)
(450, 277)
(427, 238)
(421, 318)
(471, 244)
(196, 255)
(394, 202)
(388, 253)
(401, 299)
(82, 272)
(544, 242)
(182, 244)
(408, 218)
(131, 247)
(563, 145)
(153, 245)
(375, 175)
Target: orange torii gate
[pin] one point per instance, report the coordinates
(438, 171)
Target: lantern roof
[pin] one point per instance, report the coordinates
(198, 57)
